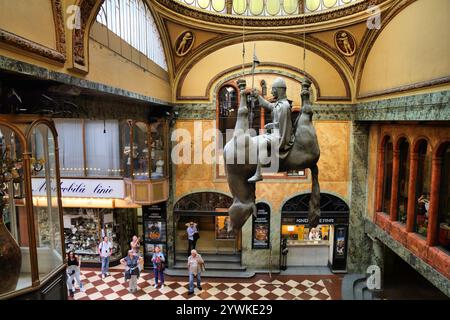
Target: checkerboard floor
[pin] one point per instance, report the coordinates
(260, 287)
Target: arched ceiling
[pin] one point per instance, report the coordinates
(195, 79)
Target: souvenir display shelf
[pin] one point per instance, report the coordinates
(84, 229)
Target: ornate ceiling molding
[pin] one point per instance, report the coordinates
(268, 22)
(311, 45)
(80, 36)
(58, 55)
(235, 72)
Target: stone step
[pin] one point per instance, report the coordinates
(211, 273)
(348, 285)
(224, 258)
(215, 266)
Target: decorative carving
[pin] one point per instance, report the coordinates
(86, 8)
(328, 203)
(59, 54)
(58, 17)
(30, 46)
(260, 37)
(184, 43)
(268, 22)
(345, 42)
(203, 201)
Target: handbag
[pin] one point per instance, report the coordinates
(196, 236)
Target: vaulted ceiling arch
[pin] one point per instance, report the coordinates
(282, 49)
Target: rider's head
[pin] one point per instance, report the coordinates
(279, 88)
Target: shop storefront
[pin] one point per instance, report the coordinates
(209, 210)
(324, 245)
(92, 209)
(116, 167)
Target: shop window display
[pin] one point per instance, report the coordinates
(144, 151)
(295, 233)
(28, 258)
(158, 150)
(140, 142)
(48, 235)
(84, 229)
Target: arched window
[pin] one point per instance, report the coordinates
(444, 199)
(387, 179)
(228, 107)
(423, 185)
(133, 22)
(403, 180)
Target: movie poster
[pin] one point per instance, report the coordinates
(340, 242)
(261, 227)
(222, 233)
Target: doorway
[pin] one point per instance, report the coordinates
(209, 210)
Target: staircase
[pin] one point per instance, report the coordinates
(354, 287)
(221, 265)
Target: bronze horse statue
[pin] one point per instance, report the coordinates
(304, 153)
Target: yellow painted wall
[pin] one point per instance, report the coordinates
(357, 31)
(207, 68)
(334, 177)
(174, 31)
(414, 47)
(30, 19)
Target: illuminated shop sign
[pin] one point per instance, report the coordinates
(330, 220)
(85, 188)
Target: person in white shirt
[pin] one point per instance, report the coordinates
(192, 237)
(104, 250)
(195, 267)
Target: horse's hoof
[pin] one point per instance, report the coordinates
(255, 179)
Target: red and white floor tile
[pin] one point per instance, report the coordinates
(260, 287)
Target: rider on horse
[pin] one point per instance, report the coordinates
(281, 131)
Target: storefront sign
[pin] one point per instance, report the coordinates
(324, 220)
(156, 211)
(84, 188)
(261, 227)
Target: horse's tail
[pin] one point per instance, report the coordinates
(314, 202)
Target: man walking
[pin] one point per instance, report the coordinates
(195, 266)
(104, 250)
(193, 236)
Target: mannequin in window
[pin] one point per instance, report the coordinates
(423, 203)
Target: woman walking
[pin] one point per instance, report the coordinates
(158, 266)
(73, 272)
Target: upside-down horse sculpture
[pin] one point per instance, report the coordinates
(296, 148)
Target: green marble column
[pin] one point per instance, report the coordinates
(359, 248)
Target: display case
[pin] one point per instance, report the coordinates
(85, 227)
(32, 255)
(144, 160)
